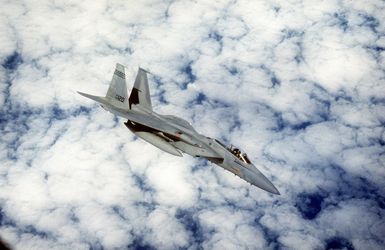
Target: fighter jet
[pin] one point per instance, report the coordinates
(172, 134)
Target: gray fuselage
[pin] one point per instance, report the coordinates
(173, 134)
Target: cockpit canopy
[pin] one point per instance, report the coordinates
(235, 151)
(242, 156)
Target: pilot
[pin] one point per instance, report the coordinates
(237, 152)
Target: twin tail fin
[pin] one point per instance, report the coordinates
(117, 91)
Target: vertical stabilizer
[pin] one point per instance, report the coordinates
(117, 92)
(140, 94)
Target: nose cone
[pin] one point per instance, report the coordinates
(256, 178)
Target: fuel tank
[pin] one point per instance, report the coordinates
(158, 142)
(148, 135)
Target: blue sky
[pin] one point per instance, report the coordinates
(298, 85)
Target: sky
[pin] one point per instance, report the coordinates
(298, 85)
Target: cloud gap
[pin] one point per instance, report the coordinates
(309, 204)
(349, 187)
(12, 62)
(369, 21)
(34, 231)
(232, 69)
(275, 81)
(187, 70)
(140, 244)
(191, 224)
(96, 246)
(271, 237)
(141, 182)
(147, 206)
(341, 21)
(200, 99)
(5, 220)
(338, 243)
(119, 212)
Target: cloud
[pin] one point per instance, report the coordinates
(299, 86)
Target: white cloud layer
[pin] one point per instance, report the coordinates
(299, 85)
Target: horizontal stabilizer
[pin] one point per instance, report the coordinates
(98, 99)
(150, 121)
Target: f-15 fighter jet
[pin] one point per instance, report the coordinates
(172, 134)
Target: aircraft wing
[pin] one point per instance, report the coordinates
(146, 120)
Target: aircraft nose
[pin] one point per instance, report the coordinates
(256, 178)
